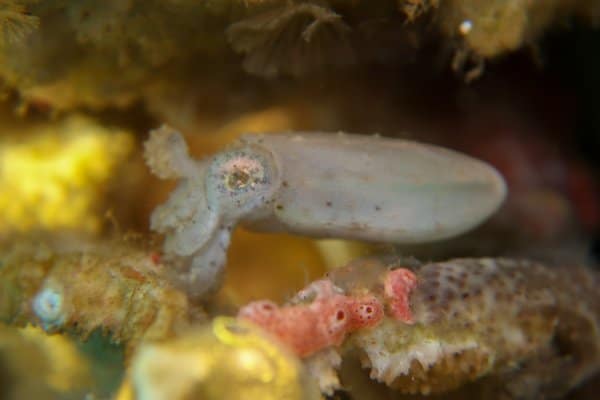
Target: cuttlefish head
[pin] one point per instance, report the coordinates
(214, 195)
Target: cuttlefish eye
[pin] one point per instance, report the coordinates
(242, 173)
(241, 180)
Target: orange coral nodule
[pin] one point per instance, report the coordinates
(155, 257)
(397, 287)
(325, 322)
(365, 312)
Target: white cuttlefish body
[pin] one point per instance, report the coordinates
(350, 186)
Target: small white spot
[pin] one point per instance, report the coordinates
(465, 27)
(47, 305)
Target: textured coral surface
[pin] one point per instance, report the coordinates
(57, 177)
(118, 288)
(506, 320)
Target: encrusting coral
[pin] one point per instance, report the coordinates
(530, 330)
(34, 365)
(72, 53)
(225, 359)
(56, 175)
(116, 287)
(491, 28)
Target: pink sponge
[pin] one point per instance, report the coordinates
(322, 315)
(324, 321)
(398, 284)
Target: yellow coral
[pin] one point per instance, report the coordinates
(226, 359)
(69, 368)
(40, 366)
(52, 179)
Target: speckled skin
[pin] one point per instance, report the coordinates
(524, 330)
(531, 330)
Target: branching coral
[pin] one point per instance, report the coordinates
(465, 319)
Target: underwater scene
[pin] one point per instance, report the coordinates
(299, 199)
